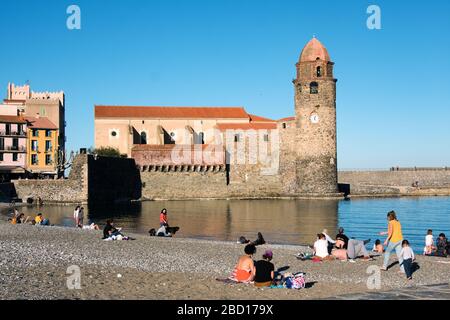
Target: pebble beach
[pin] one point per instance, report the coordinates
(34, 262)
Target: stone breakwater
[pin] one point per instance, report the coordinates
(34, 261)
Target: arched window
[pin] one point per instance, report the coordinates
(314, 88)
(319, 71)
(201, 138)
(143, 137)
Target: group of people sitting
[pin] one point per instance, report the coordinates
(439, 249)
(19, 218)
(261, 272)
(342, 248)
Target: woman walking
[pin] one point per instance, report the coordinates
(393, 241)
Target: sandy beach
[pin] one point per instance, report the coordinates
(34, 262)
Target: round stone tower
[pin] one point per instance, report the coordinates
(315, 109)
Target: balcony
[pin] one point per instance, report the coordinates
(21, 134)
(18, 149)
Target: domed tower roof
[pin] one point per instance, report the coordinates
(314, 50)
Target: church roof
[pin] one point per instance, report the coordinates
(171, 112)
(314, 50)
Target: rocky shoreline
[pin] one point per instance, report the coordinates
(34, 262)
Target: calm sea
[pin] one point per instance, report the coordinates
(280, 221)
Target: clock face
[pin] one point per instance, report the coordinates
(314, 118)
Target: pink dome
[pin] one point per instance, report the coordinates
(314, 50)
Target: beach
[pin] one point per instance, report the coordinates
(34, 262)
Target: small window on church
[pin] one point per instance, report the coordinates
(284, 125)
(314, 88)
(236, 138)
(319, 71)
(143, 137)
(266, 138)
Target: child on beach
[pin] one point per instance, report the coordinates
(321, 248)
(429, 243)
(408, 257)
(378, 247)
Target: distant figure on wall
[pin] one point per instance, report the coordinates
(163, 221)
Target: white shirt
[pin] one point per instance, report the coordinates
(321, 248)
(328, 238)
(429, 240)
(407, 253)
(162, 230)
(75, 214)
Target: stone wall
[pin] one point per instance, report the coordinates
(239, 182)
(396, 182)
(91, 179)
(73, 189)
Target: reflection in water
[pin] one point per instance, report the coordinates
(280, 221)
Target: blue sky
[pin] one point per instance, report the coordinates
(393, 98)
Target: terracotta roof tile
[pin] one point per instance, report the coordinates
(286, 119)
(255, 118)
(12, 119)
(170, 112)
(40, 123)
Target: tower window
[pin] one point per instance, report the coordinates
(314, 88)
(143, 137)
(319, 71)
(284, 125)
(236, 138)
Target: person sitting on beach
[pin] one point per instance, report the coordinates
(442, 246)
(429, 243)
(355, 249)
(162, 232)
(264, 270)
(40, 220)
(378, 247)
(330, 241)
(341, 236)
(110, 231)
(163, 221)
(258, 242)
(245, 268)
(321, 248)
(91, 226)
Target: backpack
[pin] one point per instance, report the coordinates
(295, 281)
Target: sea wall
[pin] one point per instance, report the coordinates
(380, 183)
(215, 183)
(91, 179)
(74, 189)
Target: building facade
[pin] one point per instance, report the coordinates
(50, 105)
(13, 137)
(42, 147)
(299, 152)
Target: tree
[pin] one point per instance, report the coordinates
(107, 152)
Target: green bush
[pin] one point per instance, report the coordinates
(107, 152)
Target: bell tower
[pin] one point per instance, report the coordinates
(315, 112)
